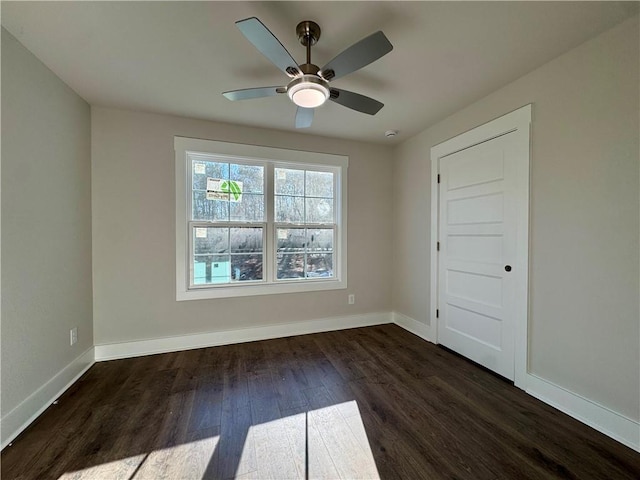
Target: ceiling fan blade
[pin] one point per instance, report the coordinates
(304, 117)
(355, 101)
(358, 55)
(248, 93)
(268, 45)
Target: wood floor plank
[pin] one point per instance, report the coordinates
(207, 454)
(346, 356)
(274, 454)
(310, 454)
(347, 454)
(207, 403)
(319, 371)
(276, 353)
(290, 383)
(165, 461)
(263, 397)
(236, 449)
(357, 403)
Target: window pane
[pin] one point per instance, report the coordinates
(320, 265)
(291, 239)
(251, 176)
(290, 265)
(211, 269)
(209, 210)
(319, 210)
(320, 240)
(246, 240)
(319, 184)
(289, 182)
(199, 181)
(201, 169)
(207, 240)
(233, 199)
(246, 267)
(249, 208)
(289, 209)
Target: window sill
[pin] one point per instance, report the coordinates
(263, 289)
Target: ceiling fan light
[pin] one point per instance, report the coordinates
(308, 92)
(309, 97)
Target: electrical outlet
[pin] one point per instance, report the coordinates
(352, 299)
(73, 336)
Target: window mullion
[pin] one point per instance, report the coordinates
(270, 244)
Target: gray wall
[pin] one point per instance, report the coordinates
(134, 231)
(584, 214)
(46, 224)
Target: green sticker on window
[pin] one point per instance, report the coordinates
(219, 189)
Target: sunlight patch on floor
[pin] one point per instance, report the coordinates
(187, 460)
(121, 469)
(329, 442)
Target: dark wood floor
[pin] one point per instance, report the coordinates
(362, 403)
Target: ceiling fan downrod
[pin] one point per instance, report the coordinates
(308, 33)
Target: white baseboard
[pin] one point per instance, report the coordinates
(139, 348)
(417, 328)
(612, 424)
(14, 422)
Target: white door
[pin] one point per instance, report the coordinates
(477, 232)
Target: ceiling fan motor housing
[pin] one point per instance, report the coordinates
(308, 91)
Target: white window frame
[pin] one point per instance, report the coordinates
(270, 158)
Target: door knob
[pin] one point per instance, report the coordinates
(507, 268)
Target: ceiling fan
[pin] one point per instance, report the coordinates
(309, 85)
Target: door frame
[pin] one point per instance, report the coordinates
(518, 121)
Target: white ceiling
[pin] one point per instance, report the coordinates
(177, 57)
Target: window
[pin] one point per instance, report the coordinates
(256, 220)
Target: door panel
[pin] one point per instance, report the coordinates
(482, 289)
(477, 231)
(475, 326)
(474, 209)
(468, 247)
(464, 172)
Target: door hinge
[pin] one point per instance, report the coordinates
(437, 313)
(438, 246)
(438, 178)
